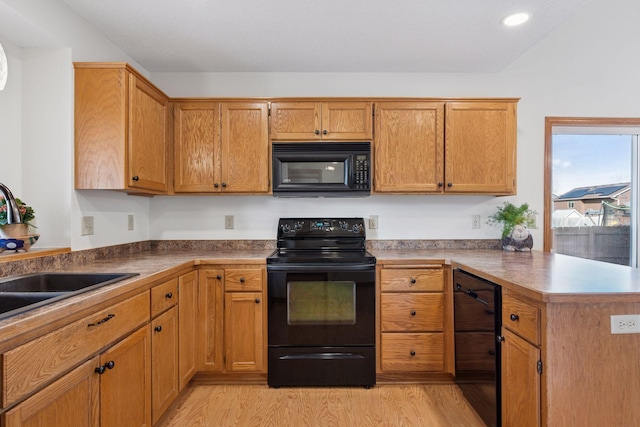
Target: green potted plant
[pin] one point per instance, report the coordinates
(514, 221)
(27, 214)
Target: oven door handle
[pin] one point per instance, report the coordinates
(325, 267)
(321, 356)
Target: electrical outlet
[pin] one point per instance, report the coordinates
(130, 222)
(228, 222)
(475, 221)
(87, 226)
(625, 324)
(373, 222)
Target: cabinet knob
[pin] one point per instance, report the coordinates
(499, 338)
(412, 353)
(100, 370)
(257, 300)
(216, 185)
(317, 132)
(136, 178)
(440, 184)
(449, 184)
(413, 312)
(169, 295)
(242, 280)
(514, 317)
(158, 328)
(413, 280)
(219, 277)
(224, 185)
(110, 364)
(324, 132)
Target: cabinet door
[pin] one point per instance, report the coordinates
(210, 318)
(244, 336)
(188, 324)
(164, 362)
(480, 147)
(125, 390)
(346, 120)
(147, 148)
(69, 401)
(197, 147)
(295, 120)
(409, 147)
(100, 128)
(520, 382)
(245, 147)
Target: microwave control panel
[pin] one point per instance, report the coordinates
(361, 172)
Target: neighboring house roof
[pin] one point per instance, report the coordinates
(607, 191)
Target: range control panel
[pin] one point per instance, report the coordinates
(321, 227)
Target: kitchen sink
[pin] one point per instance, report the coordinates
(22, 293)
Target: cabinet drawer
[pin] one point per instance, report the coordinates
(412, 279)
(245, 279)
(30, 366)
(412, 352)
(411, 312)
(164, 296)
(521, 318)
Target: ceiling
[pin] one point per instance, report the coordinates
(448, 36)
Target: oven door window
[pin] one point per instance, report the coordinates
(321, 303)
(326, 172)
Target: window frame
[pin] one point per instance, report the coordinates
(578, 123)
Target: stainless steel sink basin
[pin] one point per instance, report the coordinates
(22, 293)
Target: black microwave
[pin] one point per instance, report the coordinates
(328, 169)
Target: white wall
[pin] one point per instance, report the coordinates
(45, 37)
(11, 121)
(588, 67)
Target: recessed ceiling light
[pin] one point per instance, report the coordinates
(515, 19)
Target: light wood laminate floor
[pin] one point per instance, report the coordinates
(384, 405)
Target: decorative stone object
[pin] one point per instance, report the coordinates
(519, 240)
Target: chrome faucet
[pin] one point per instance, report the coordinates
(13, 213)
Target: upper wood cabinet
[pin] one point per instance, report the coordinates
(445, 147)
(121, 130)
(409, 147)
(480, 147)
(221, 147)
(305, 120)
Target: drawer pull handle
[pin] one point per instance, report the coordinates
(413, 312)
(412, 353)
(413, 280)
(257, 300)
(242, 280)
(158, 328)
(514, 317)
(169, 295)
(100, 322)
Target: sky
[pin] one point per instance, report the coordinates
(585, 160)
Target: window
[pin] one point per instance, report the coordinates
(591, 195)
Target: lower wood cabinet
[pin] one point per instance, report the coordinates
(521, 363)
(164, 361)
(232, 319)
(125, 384)
(71, 401)
(188, 326)
(412, 318)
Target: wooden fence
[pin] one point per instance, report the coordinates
(609, 244)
